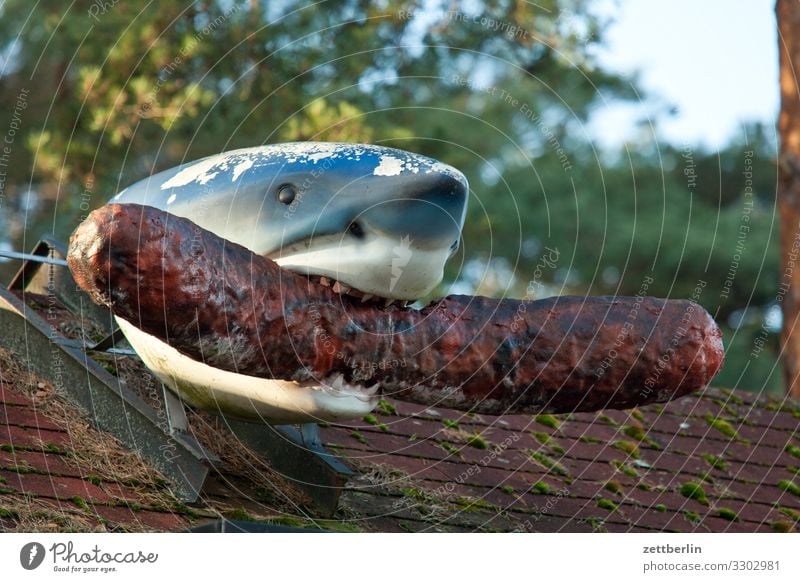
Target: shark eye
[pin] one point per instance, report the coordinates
(286, 193)
(356, 230)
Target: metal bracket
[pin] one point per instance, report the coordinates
(300, 457)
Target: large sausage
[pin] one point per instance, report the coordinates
(220, 303)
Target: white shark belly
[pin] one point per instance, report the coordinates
(241, 396)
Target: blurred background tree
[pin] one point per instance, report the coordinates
(502, 89)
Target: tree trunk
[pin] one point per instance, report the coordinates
(788, 13)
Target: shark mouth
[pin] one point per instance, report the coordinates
(344, 289)
(242, 313)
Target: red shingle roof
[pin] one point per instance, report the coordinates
(721, 461)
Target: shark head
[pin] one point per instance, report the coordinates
(378, 221)
(375, 222)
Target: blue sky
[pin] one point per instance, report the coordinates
(716, 61)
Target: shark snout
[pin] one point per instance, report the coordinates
(426, 209)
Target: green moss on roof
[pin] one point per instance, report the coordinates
(604, 503)
(540, 487)
(8, 513)
(781, 526)
(450, 423)
(628, 447)
(239, 514)
(706, 477)
(792, 450)
(613, 486)
(637, 414)
(370, 419)
(477, 441)
(585, 438)
(694, 491)
(359, 437)
(714, 461)
(473, 504)
(385, 408)
(728, 514)
(608, 420)
(691, 516)
(660, 507)
(450, 448)
(551, 464)
(548, 420)
(790, 513)
(635, 432)
(722, 426)
(626, 470)
(542, 437)
(80, 502)
(507, 489)
(789, 487)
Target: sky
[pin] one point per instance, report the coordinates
(716, 61)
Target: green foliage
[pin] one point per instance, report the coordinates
(140, 88)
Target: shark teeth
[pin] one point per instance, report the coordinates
(344, 289)
(340, 288)
(339, 387)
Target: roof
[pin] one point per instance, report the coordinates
(59, 474)
(720, 461)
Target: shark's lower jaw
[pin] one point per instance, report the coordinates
(248, 397)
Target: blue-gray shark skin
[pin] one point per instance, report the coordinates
(310, 202)
(370, 221)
